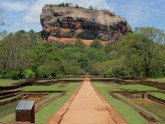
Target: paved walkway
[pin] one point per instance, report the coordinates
(87, 108)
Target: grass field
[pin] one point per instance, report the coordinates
(44, 114)
(6, 99)
(7, 109)
(131, 115)
(55, 87)
(8, 82)
(162, 80)
(138, 87)
(109, 86)
(158, 95)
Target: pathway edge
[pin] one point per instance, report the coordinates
(113, 112)
(57, 117)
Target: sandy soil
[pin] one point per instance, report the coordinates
(87, 108)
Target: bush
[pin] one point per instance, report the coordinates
(29, 73)
(108, 73)
(15, 75)
(96, 44)
(58, 76)
(43, 72)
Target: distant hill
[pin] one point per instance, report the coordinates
(67, 24)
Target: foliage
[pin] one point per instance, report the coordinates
(8, 82)
(15, 75)
(153, 34)
(29, 73)
(96, 44)
(139, 54)
(58, 76)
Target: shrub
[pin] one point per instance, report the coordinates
(29, 73)
(43, 72)
(58, 76)
(108, 73)
(15, 75)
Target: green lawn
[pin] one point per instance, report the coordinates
(7, 109)
(158, 95)
(6, 99)
(138, 87)
(48, 97)
(8, 82)
(109, 87)
(45, 114)
(54, 87)
(10, 108)
(131, 115)
(155, 109)
(162, 80)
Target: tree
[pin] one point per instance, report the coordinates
(2, 33)
(157, 38)
(79, 44)
(96, 44)
(45, 60)
(72, 69)
(14, 53)
(153, 34)
(140, 53)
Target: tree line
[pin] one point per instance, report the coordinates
(139, 54)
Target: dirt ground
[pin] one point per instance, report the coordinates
(37, 99)
(87, 108)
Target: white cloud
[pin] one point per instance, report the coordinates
(33, 15)
(14, 6)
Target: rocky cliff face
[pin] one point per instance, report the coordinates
(61, 23)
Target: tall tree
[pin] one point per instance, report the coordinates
(139, 53)
(153, 34)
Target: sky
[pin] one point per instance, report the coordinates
(25, 14)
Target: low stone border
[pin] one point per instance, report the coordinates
(4, 92)
(12, 100)
(115, 115)
(156, 99)
(56, 119)
(49, 101)
(149, 117)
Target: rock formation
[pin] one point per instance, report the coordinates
(66, 24)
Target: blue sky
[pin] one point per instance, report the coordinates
(25, 14)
